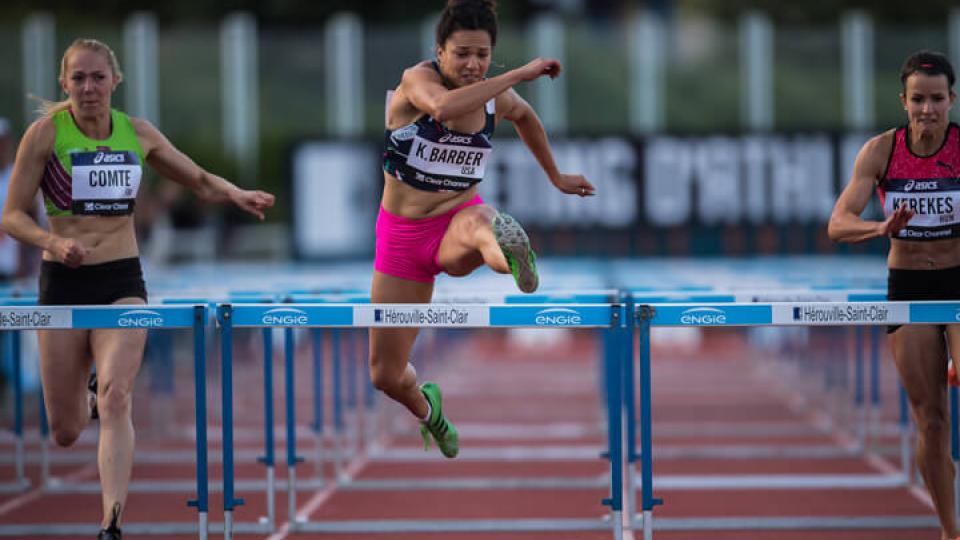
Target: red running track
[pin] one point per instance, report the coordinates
(535, 400)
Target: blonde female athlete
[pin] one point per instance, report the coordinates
(87, 159)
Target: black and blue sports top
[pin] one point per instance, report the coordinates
(429, 157)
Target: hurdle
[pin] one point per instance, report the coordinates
(31, 317)
(771, 314)
(607, 316)
(347, 442)
(10, 348)
(866, 407)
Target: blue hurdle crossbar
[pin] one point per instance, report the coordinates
(799, 313)
(608, 316)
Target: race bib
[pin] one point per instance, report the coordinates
(935, 205)
(105, 182)
(443, 159)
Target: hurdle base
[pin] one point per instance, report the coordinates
(792, 522)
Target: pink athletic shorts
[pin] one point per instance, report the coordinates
(407, 248)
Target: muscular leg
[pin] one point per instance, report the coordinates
(953, 345)
(64, 366)
(118, 354)
(920, 355)
(469, 243)
(390, 348)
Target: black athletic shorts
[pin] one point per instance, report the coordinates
(941, 284)
(95, 284)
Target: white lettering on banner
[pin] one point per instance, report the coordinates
(756, 189)
(752, 179)
(802, 179)
(719, 198)
(336, 186)
(783, 179)
(609, 164)
(668, 173)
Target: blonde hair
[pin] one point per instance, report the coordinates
(50, 108)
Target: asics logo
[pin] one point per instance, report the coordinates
(917, 185)
(104, 157)
(455, 139)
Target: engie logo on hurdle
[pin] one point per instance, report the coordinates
(140, 318)
(703, 316)
(558, 317)
(285, 317)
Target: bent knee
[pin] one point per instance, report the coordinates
(385, 373)
(385, 380)
(464, 267)
(65, 435)
(932, 422)
(114, 402)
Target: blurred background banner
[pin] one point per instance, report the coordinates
(722, 128)
(737, 185)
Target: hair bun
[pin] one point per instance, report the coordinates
(488, 4)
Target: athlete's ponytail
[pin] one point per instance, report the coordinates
(468, 15)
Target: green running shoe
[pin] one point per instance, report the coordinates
(437, 425)
(516, 248)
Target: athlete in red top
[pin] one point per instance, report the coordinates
(916, 172)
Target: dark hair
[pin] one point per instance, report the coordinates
(928, 62)
(468, 15)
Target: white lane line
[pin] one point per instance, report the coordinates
(321, 497)
(38, 491)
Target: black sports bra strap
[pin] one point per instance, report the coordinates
(491, 123)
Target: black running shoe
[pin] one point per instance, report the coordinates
(110, 533)
(92, 398)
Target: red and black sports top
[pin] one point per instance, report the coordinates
(928, 185)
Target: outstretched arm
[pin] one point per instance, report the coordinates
(528, 125)
(177, 166)
(422, 86)
(846, 225)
